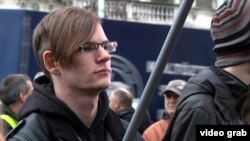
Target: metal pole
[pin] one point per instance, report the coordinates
(160, 64)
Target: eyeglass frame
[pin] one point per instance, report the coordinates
(90, 46)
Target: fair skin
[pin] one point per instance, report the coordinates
(2, 136)
(24, 96)
(81, 85)
(170, 102)
(116, 103)
(113, 103)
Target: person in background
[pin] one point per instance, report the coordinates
(157, 130)
(69, 102)
(210, 97)
(120, 101)
(14, 90)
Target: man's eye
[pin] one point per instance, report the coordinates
(87, 48)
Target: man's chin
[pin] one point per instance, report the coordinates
(104, 86)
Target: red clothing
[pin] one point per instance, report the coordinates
(156, 131)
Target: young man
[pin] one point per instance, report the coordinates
(211, 96)
(173, 90)
(14, 90)
(69, 102)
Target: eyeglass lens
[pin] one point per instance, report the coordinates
(108, 46)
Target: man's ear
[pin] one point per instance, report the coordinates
(117, 104)
(22, 96)
(50, 63)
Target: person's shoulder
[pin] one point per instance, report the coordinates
(198, 101)
(160, 124)
(33, 127)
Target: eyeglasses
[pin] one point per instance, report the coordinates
(91, 46)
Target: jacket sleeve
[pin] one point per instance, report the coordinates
(184, 128)
(32, 128)
(138, 136)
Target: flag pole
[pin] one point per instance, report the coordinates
(160, 64)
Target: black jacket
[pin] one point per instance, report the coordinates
(208, 98)
(127, 115)
(46, 118)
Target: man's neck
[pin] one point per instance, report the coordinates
(82, 103)
(241, 71)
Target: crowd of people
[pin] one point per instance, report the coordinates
(68, 100)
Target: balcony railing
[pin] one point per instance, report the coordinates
(155, 13)
(126, 10)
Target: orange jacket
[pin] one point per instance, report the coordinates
(156, 131)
